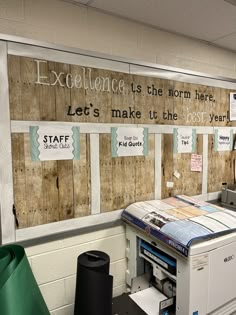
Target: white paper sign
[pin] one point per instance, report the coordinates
(54, 143)
(127, 141)
(232, 111)
(223, 139)
(184, 140)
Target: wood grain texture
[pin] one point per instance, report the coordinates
(167, 166)
(125, 179)
(220, 167)
(34, 187)
(77, 98)
(47, 97)
(15, 88)
(49, 191)
(99, 101)
(144, 173)
(189, 183)
(19, 179)
(29, 91)
(63, 94)
(82, 180)
(83, 94)
(65, 189)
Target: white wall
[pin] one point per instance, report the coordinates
(59, 22)
(54, 263)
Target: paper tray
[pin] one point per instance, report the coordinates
(148, 300)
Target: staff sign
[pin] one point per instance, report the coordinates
(54, 143)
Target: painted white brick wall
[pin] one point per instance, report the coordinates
(54, 21)
(63, 23)
(54, 265)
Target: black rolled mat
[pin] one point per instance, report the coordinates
(93, 284)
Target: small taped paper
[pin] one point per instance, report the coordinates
(169, 184)
(177, 174)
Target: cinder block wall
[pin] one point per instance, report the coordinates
(54, 265)
(58, 22)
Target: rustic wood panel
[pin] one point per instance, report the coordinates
(98, 103)
(76, 93)
(125, 179)
(47, 97)
(106, 173)
(18, 157)
(29, 91)
(189, 183)
(58, 190)
(15, 88)
(82, 179)
(220, 167)
(77, 105)
(124, 102)
(168, 104)
(130, 185)
(63, 94)
(65, 187)
(144, 173)
(49, 191)
(34, 187)
(147, 99)
(176, 94)
(167, 165)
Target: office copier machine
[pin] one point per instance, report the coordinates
(186, 252)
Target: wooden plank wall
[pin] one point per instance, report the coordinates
(51, 191)
(125, 179)
(188, 183)
(220, 167)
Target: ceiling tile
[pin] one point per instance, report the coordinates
(227, 41)
(209, 20)
(206, 20)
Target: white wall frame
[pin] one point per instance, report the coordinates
(6, 180)
(95, 174)
(34, 49)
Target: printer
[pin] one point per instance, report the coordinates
(184, 252)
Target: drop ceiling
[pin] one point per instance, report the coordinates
(213, 21)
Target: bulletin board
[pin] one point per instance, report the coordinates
(54, 88)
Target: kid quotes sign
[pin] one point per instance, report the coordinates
(184, 140)
(223, 139)
(129, 141)
(54, 143)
